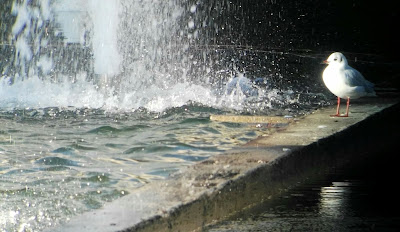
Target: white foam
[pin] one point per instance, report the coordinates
(178, 95)
(36, 93)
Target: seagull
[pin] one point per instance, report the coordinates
(344, 81)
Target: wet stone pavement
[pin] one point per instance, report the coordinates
(358, 197)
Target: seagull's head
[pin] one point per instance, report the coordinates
(336, 59)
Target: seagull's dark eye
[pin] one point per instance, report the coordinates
(335, 59)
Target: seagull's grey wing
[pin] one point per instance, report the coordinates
(355, 78)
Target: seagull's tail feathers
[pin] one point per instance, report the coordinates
(371, 94)
(369, 88)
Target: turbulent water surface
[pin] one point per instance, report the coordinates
(58, 163)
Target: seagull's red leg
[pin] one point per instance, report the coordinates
(347, 108)
(337, 108)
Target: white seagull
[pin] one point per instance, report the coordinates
(344, 81)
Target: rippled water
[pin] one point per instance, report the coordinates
(58, 163)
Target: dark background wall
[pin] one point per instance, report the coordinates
(346, 25)
(298, 35)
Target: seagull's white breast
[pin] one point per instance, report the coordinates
(335, 80)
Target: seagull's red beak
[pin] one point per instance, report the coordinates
(325, 62)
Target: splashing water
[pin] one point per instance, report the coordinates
(99, 97)
(121, 56)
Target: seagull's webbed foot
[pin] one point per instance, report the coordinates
(338, 107)
(339, 115)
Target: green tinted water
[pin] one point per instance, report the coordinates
(55, 164)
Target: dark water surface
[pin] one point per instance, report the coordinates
(359, 197)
